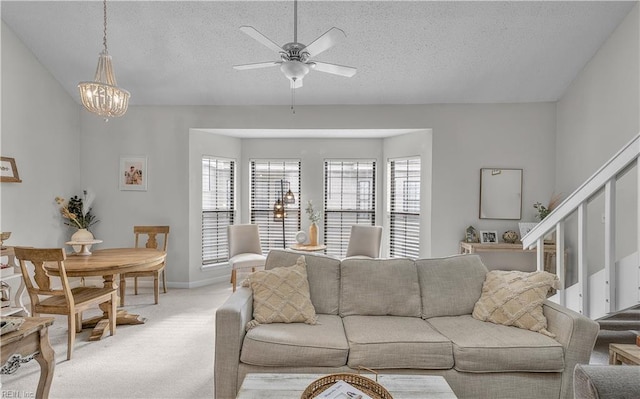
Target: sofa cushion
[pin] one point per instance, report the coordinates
(483, 347)
(323, 273)
(379, 287)
(514, 298)
(281, 295)
(293, 345)
(450, 286)
(392, 342)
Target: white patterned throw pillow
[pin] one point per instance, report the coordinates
(514, 298)
(281, 295)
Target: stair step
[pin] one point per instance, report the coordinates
(619, 325)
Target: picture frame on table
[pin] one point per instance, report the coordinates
(525, 227)
(488, 236)
(9, 170)
(133, 173)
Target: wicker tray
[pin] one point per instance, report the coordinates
(366, 385)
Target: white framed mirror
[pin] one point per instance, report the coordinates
(500, 193)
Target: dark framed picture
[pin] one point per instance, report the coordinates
(9, 171)
(488, 237)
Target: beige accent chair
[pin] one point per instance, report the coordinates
(66, 301)
(151, 233)
(245, 251)
(364, 241)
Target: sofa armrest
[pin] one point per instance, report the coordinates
(231, 319)
(576, 333)
(613, 382)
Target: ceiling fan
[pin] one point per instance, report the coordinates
(295, 57)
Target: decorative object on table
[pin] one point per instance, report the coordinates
(9, 170)
(488, 236)
(525, 228)
(500, 193)
(77, 213)
(103, 96)
(8, 324)
(301, 237)
(471, 235)
(544, 211)
(510, 237)
(4, 236)
(314, 218)
(134, 173)
(366, 385)
(279, 207)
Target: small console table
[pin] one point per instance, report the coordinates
(308, 248)
(475, 247)
(30, 341)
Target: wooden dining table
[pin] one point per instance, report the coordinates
(109, 263)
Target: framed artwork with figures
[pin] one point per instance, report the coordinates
(133, 173)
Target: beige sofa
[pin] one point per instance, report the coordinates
(402, 316)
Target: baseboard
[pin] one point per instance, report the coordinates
(148, 283)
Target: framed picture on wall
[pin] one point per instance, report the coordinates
(9, 170)
(133, 173)
(488, 237)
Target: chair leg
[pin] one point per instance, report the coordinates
(164, 280)
(233, 279)
(113, 314)
(71, 338)
(135, 285)
(79, 322)
(123, 288)
(156, 287)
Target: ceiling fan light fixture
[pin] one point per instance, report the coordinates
(294, 70)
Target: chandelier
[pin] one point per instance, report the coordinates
(103, 96)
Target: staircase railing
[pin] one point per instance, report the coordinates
(585, 296)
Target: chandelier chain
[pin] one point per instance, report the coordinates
(104, 38)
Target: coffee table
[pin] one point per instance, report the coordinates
(291, 386)
(624, 354)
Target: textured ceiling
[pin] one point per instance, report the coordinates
(406, 52)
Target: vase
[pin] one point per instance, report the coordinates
(313, 234)
(80, 236)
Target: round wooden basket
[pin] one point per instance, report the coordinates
(366, 385)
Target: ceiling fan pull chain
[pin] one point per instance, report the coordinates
(293, 97)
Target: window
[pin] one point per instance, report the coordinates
(218, 208)
(268, 179)
(349, 198)
(404, 208)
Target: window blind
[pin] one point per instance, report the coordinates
(218, 208)
(404, 204)
(349, 198)
(266, 188)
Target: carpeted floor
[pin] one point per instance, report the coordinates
(171, 356)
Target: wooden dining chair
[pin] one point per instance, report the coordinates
(151, 233)
(66, 300)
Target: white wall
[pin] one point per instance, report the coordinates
(41, 130)
(599, 113)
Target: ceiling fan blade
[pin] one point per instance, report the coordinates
(256, 65)
(324, 42)
(334, 69)
(251, 31)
